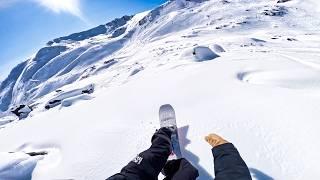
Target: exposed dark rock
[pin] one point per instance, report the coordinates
(292, 39)
(225, 2)
(276, 11)
(54, 101)
(283, 1)
(119, 32)
(22, 111)
(89, 90)
(50, 43)
(109, 61)
(41, 153)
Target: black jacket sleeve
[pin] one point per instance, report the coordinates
(148, 164)
(228, 164)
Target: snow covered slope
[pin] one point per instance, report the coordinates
(245, 69)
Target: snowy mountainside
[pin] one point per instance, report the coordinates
(67, 59)
(245, 69)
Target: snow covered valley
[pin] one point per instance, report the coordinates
(248, 70)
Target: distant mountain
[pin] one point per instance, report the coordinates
(64, 60)
(71, 58)
(29, 80)
(109, 28)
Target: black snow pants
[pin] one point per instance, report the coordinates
(228, 163)
(148, 164)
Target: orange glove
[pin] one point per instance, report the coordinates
(215, 140)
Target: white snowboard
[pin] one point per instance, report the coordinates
(168, 119)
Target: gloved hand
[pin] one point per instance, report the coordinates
(215, 140)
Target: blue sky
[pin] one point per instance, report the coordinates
(26, 25)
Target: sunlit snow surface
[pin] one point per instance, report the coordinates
(255, 81)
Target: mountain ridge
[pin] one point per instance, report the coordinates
(22, 88)
(72, 56)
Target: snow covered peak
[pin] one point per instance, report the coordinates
(183, 3)
(75, 57)
(102, 29)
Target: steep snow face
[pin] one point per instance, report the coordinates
(64, 58)
(68, 59)
(245, 69)
(6, 86)
(71, 56)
